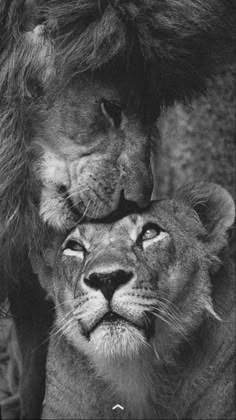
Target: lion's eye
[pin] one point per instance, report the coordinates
(74, 246)
(150, 231)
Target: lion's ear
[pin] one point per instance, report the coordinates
(112, 112)
(213, 204)
(32, 14)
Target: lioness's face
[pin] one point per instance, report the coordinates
(120, 287)
(91, 154)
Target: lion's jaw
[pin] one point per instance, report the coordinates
(89, 154)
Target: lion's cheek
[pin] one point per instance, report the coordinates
(54, 210)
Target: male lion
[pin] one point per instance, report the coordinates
(145, 313)
(81, 86)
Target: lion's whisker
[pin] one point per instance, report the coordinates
(85, 212)
(74, 193)
(77, 202)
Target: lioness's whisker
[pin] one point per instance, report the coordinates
(160, 295)
(172, 317)
(167, 308)
(61, 329)
(54, 331)
(170, 321)
(168, 312)
(163, 319)
(155, 351)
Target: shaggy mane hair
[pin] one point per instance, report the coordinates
(174, 44)
(167, 48)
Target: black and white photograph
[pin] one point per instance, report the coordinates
(117, 209)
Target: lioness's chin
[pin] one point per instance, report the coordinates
(118, 339)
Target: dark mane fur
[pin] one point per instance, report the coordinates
(20, 74)
(168, 47)
(173, 43)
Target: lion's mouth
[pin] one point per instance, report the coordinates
(114, 320)
(124, 208)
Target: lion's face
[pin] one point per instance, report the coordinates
(142, 280)
(91, 154)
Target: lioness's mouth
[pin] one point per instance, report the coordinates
(113, 319)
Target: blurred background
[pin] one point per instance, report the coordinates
(197, 142)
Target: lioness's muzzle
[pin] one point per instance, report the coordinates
(108, 282)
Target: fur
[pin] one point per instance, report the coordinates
(171, 46)
(182, 369)
(172, 42)
(153, 52)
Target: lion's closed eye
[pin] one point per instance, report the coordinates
(73, 247)
(112, 110)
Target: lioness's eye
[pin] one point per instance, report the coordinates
(150, 231)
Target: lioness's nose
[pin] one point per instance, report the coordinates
(108, 283)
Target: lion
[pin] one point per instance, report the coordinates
(81, 87)
(145, 313)
(80, 92)
(69, 150)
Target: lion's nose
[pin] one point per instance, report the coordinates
(108, 283)
(139, 190)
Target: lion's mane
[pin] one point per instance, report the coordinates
(166, 48)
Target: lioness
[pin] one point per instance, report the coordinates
(145, 313)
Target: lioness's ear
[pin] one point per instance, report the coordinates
(213, 204)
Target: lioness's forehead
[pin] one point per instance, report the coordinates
(127, 228)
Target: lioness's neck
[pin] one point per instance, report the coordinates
(145, 388)
(136, 382)
(75, 389)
